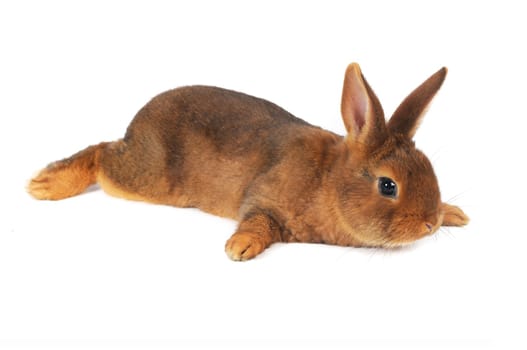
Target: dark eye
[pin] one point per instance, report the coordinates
(387, 187)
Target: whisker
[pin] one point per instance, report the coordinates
(372, 253)
(456, 197)
(447, 232)
(347, 251)
(436, 155)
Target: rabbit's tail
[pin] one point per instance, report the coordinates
(68, 177)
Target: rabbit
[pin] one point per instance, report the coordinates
(284, 180)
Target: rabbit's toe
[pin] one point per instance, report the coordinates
(244, 246)
(54, 183)
(41, 186)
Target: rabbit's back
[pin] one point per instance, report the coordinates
(229, 120)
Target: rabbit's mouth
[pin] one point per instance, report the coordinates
(411, 233)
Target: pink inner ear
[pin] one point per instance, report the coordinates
(360, 103)
(356, 102)
(359, 115)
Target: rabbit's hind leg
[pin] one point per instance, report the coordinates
(68, 177)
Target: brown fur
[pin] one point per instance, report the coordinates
(283, 179)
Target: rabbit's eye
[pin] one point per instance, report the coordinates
(387, 187)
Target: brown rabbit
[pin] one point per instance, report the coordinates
(283, 179)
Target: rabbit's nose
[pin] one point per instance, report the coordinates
(430, 223)
(429, 227)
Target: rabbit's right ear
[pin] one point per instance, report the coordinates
(361, 111)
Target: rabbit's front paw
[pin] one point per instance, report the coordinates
(454, 216)
(244, 246)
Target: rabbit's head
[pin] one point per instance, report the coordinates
(388, 194)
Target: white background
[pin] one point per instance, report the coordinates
(96, 271)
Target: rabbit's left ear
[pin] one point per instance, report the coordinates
(407, 117)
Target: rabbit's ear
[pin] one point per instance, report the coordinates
(409, 114)
(361, 111)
